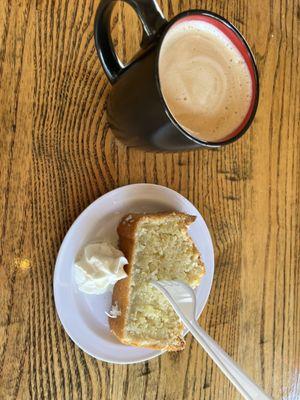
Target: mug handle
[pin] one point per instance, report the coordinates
(152, 21)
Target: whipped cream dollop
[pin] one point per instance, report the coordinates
(99, 267)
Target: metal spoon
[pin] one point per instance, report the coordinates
(183, 300)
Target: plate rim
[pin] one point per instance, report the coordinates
(61, 249)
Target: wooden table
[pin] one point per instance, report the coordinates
(58, 155)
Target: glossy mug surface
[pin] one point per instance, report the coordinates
(194, 83)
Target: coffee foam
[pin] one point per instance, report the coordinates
(204, 79)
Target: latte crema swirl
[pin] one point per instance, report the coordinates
(204, 80)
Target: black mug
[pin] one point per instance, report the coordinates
(136, 110)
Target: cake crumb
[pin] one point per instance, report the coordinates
(128, 219)
(115, 312)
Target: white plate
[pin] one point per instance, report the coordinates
(83, 316)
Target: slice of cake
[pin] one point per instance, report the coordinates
(157, 246)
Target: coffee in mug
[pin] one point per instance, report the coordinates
(194, 82)
(204, 80)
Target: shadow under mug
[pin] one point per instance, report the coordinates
(136, 110)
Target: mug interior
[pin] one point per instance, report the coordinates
(240, 44)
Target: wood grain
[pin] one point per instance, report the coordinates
(58, 155)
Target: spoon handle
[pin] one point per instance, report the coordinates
(248, 389)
